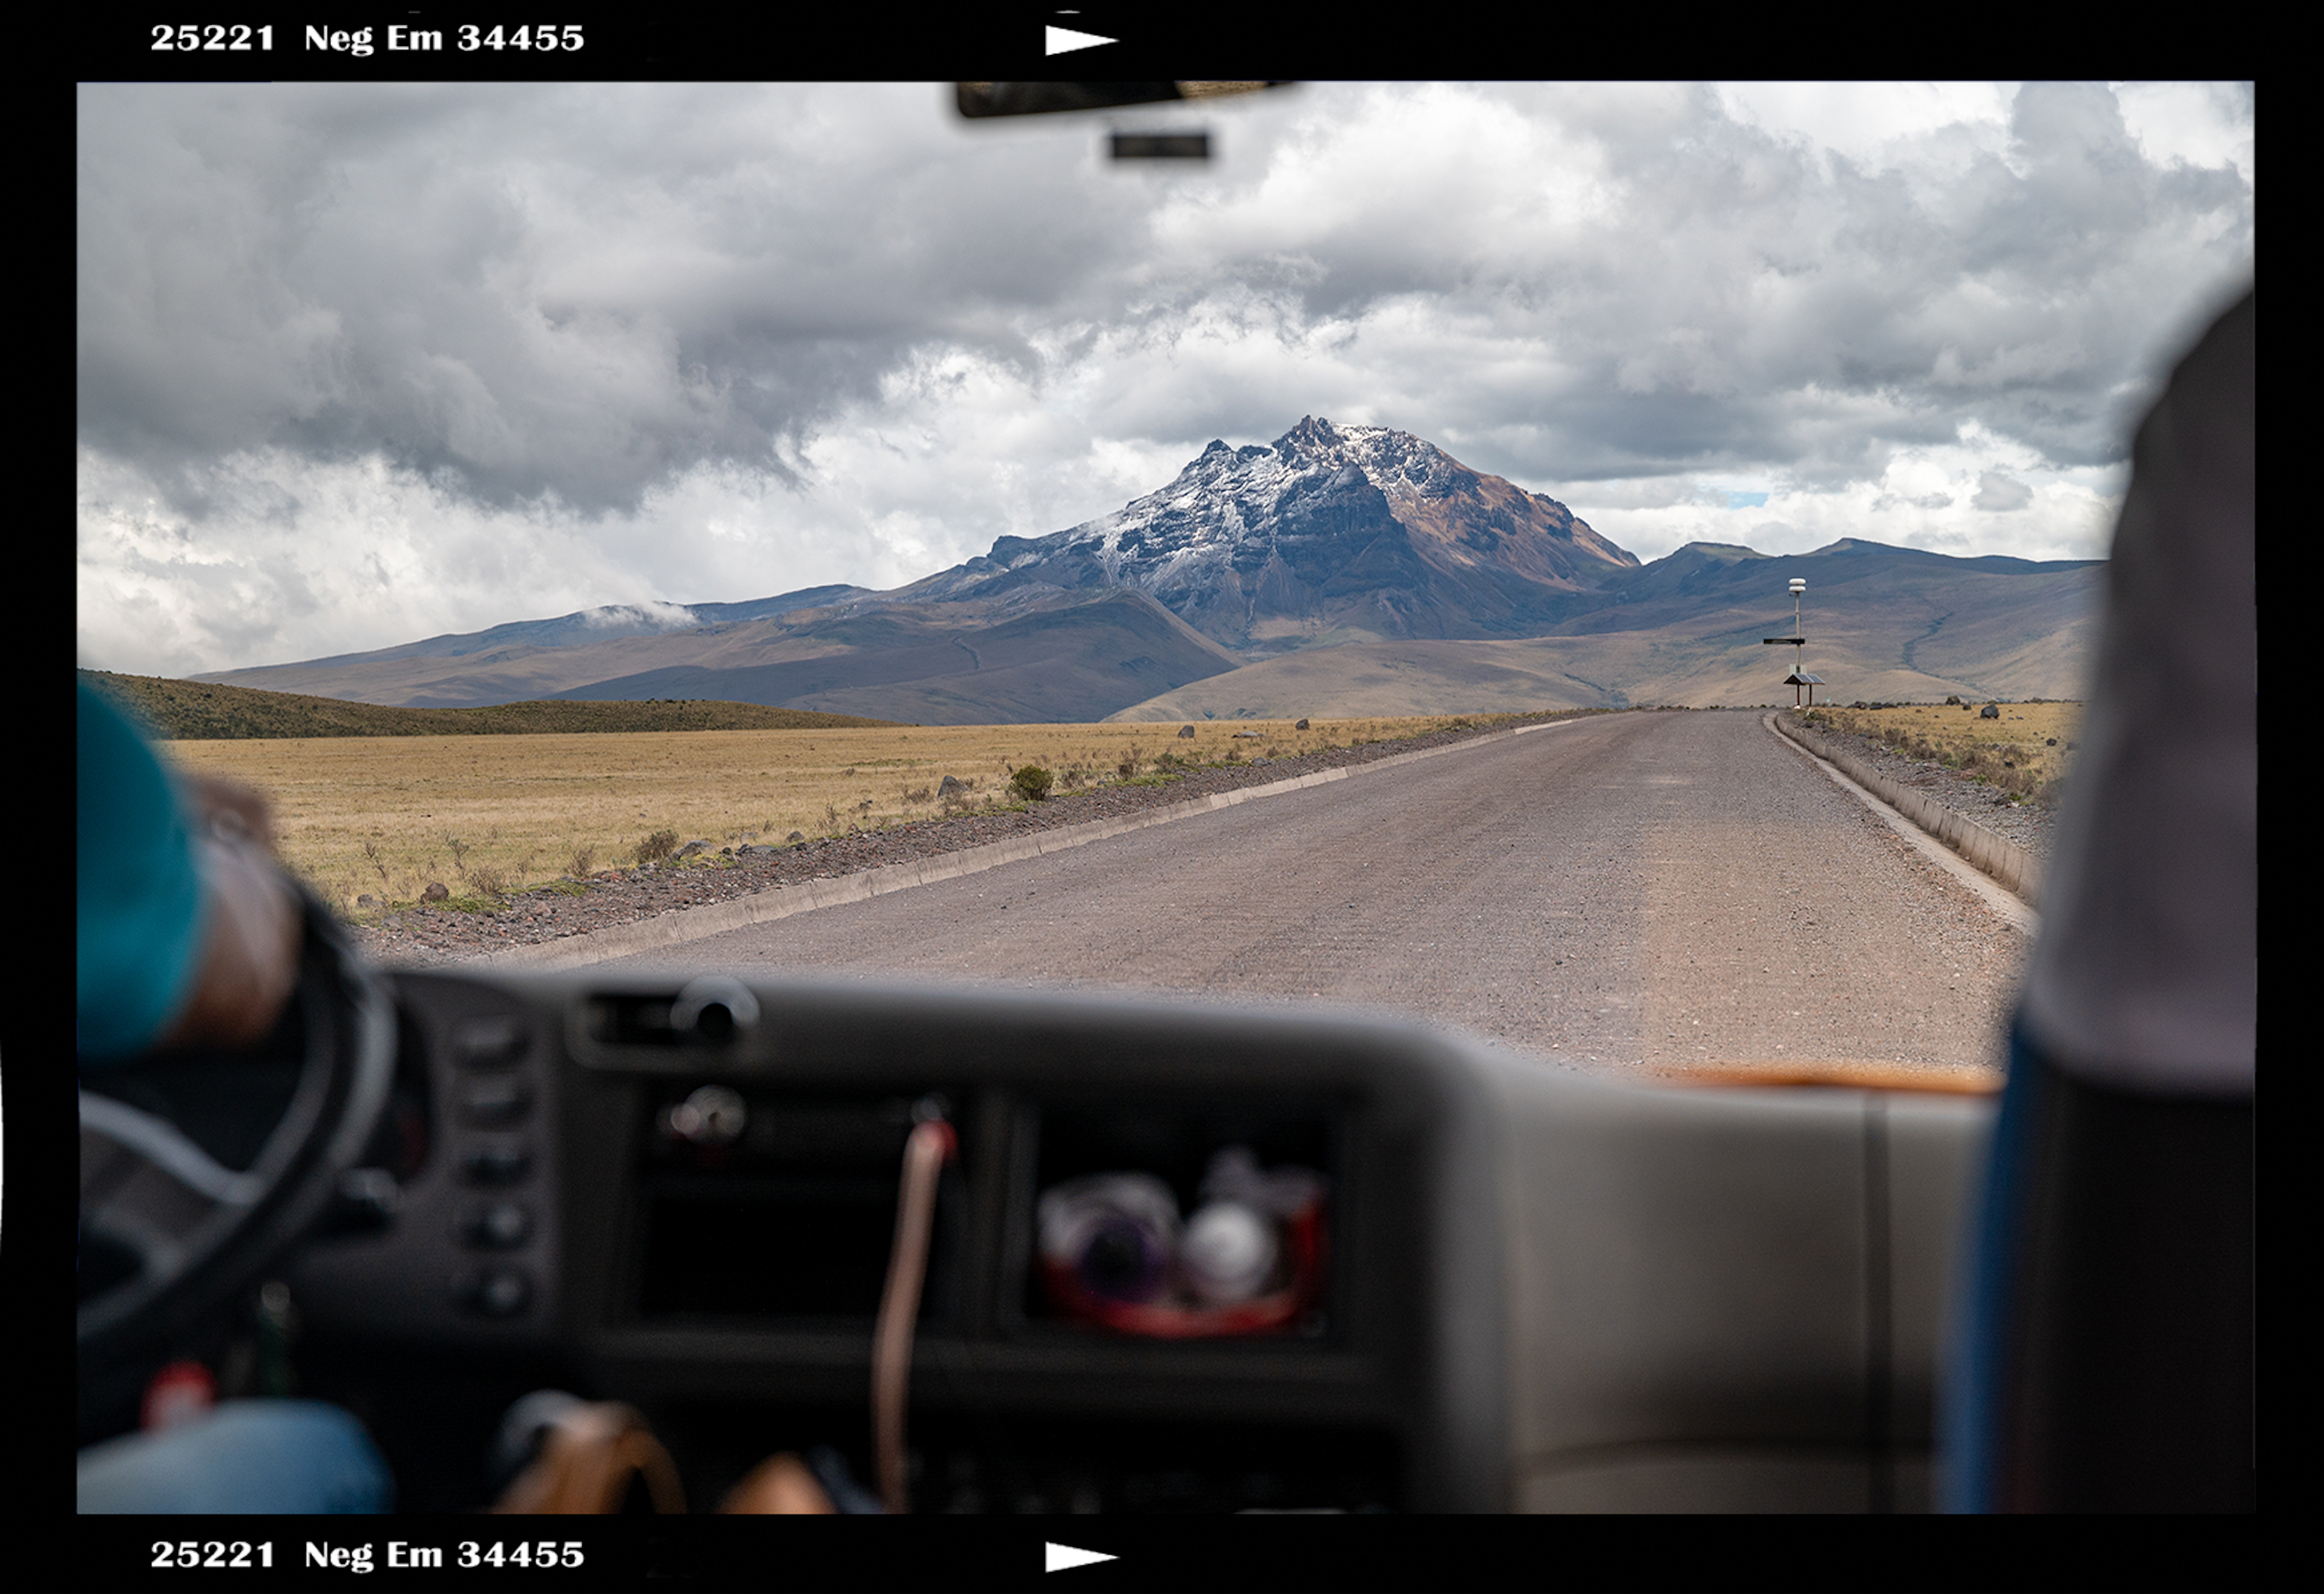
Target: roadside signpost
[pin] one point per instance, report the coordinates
(1798, 678)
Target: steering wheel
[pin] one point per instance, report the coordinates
(168, 1230)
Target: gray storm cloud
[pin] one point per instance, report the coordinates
(581, 291)
(575, 292)
(1996, 492)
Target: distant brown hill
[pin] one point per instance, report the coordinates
(1885, 623)
(1038, 654)
(206, 711)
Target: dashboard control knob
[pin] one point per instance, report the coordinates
(493, 1292)
(715, 1008)
(712, 1116)
(498, 1226)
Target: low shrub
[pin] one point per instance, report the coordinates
(657, 846)
(488, 881)
(1033, 781)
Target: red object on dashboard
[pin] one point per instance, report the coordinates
(1304, 1251)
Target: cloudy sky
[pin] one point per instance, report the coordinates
(359, 364)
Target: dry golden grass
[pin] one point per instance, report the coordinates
(2012, 750)
(381, 817)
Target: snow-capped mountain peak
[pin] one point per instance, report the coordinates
(1329, 530)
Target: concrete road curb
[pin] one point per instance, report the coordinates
(2015, 868)
(1997, 860)
(696, 924)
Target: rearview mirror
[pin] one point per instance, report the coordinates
(1032, 99)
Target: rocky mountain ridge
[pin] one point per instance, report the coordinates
(1358, 530)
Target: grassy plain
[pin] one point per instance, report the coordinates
(384, 816)
(210, 710)
(2024, 751)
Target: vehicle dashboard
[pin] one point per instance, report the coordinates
(1520, 1288)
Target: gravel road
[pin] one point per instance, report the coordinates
(422, 937)
(1637, 890)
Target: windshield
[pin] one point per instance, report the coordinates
(1405, 404)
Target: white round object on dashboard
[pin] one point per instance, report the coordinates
(1228, 1253)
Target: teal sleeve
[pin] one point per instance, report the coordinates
(138, 898)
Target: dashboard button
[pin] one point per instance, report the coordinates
(492, 1041)
(497, 1226)
(495, 1165)
(493, 1292)
(491, 1103)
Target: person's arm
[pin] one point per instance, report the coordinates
(250, 941)
(186, 933)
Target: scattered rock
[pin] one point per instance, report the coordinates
(1249, 736)
(693, 849)
(1186, 732)
(437, 891)
(1301, 725)
(1989, 712)
(367, 902)
(796, 835)
(950, 784)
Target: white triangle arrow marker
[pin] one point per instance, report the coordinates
(1065, 1557)
(1057, 42)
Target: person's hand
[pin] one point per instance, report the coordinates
(228, 810)
(250, 939)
